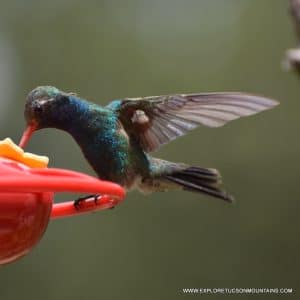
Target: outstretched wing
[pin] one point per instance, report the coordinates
(157, 120)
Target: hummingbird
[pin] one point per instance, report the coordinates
(117, 139)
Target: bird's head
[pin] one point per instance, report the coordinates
(44, 105)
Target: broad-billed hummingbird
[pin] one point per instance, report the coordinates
(116, 139)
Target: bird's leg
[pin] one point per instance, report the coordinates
(81, 199)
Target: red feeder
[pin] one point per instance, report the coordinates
(26, 203)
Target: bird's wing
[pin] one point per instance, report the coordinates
(157, 120)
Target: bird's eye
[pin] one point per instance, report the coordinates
(38, 109)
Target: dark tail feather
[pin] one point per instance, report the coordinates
(200, 180)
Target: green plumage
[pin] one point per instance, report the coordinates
(116, 139)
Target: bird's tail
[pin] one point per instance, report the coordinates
(190, 178)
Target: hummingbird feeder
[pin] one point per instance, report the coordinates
(27, 189)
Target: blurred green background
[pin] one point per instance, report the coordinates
(152, 247)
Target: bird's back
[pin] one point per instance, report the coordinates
(108, 148)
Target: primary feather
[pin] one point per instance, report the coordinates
(157, 120)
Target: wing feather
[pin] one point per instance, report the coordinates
(162, 119)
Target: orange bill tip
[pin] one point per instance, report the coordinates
(31, 128)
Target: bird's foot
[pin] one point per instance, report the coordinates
(78, 201)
